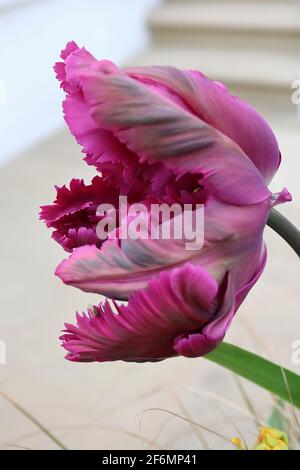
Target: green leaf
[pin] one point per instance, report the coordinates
(277, 380)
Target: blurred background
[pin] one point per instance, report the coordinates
(253, 46)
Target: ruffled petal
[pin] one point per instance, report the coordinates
(182, 311)
(181, 301)
(212, 102)
(232, 242)
(73, 213)
(158, 130)
(117, 118)
(103, 150)
(84, 59)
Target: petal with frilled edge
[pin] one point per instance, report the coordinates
(84, 61)
(181, 301)
(215, 105)
(73, 213)
(154, 124)
(78, 197)
(232, 234)
(157, 129)
(103, 150)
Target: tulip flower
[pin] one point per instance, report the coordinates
(159, 134)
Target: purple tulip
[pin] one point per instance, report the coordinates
(159, 134)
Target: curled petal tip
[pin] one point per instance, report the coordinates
(195, 345)
(69, 49)
(282, 197)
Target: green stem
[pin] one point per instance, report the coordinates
(285, 229)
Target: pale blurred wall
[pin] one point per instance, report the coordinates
(32, 33)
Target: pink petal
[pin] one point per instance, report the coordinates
(197, 344)
(157, 129)
(178, 302)
(245, 289)
(117, 164)
(211, 102)
(233, 238)
(73, 213)
(154, 122)
(282, 197)
(103, 150)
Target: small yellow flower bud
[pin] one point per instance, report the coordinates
(236, 441)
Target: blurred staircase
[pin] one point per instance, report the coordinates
(251, 45)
